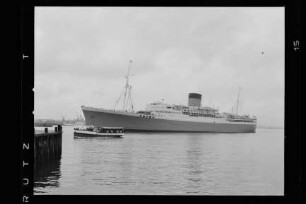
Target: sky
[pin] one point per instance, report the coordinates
(82, 56)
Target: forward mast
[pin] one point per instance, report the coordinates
(125, 96)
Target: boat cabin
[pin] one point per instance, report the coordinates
(109, 129)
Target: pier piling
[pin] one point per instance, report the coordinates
(48, 145)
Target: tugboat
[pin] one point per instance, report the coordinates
(91, 131)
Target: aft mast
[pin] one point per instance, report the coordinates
(238, 98)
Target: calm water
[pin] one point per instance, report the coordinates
(167, 164)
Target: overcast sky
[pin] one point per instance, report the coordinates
(82, 55)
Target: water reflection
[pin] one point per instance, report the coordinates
(194, 165)
(47, 174)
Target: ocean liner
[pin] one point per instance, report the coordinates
(162, 117)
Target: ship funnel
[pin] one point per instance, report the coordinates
(194, 99)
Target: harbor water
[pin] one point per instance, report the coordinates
(166, 164)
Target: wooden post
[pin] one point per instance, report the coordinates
(48, 145)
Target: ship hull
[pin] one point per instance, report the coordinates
(133, 123)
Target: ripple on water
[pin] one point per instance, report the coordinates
(167, 164)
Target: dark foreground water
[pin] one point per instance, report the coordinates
(167, 164)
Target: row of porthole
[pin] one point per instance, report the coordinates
(115, 131)
(146, 116)
(208, 116)
(242, 121)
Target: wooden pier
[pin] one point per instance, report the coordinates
(47, 144)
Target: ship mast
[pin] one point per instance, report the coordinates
(127, 92)
(127, 98)
(238, 100)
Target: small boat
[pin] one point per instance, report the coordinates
(99, 131)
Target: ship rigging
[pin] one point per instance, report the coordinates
(125, 97)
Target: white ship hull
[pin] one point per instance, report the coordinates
(132, 122)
